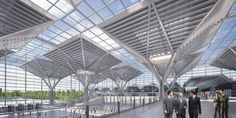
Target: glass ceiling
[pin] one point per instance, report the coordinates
(83, 18)
(224, 37)
(72, 21)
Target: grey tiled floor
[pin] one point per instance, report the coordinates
(155, 111)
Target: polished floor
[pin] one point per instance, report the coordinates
(155, 111)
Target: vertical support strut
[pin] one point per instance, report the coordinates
(161, 91)
(5, 86)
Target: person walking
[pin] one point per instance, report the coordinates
(181, 106)
(194, 105)
(168, 105)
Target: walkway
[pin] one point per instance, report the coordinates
(155, 111)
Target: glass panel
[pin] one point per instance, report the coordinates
(233, 9)
(60, 38)
(96, 4)
(49, 33)
(96, 30)
(104, 36)
(63, 26)
(79, 27)
(96, 39)
(108, 47)
(65, 35)
(108, 1)
(95, 18)
(129, 3)
(42, 3)
(105, 13)
(56, 12)
(89, 34)
(52, 1)
(69, 20)
(116, 7)
(110, 41)
(55, 41)
(72, 31)
(76, 16)
(103, 44)
(44, 37)
(86, 23)
(64, 6)
(85, 9)
(115, 45)
(54, 29)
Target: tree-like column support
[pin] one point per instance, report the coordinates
(51, 96)
(161, 91)
(51, 87)
(86, 101)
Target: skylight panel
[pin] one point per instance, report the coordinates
(56, 12)
(52, 1)
(64, 6)
(69, 20)
(108, 1)
(105, 13)
(33, 44)
(79, 27)
(36, 41)
(65, 35)
(110, 41)
(72, 31)
(116, 7)
(89, 34)
(104, 36)
(103, 44)
(129, 3)
(96, 4)
(60, 38)
(55, 41)
(115, 45)
(96, 30)
(44, 37)
(96, 39)
(42, 3)
(233, 9)
(76, 16)
(95, 18)
(49, 33)
(63, 26)
(86, 23)
(85, 9)
(54, 29)
(108, 47)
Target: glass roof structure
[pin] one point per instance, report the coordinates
(147, 35)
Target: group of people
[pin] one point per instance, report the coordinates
(221, 103)
(180, 105)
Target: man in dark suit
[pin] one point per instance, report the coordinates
(194, 105)
(168, 105)
(180, 106)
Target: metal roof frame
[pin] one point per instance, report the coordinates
(84, 58)
(122, 74)
(17, 16)
(180, 30)
(47, 70)
(227, 59)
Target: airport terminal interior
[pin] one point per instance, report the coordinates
(114, 58)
